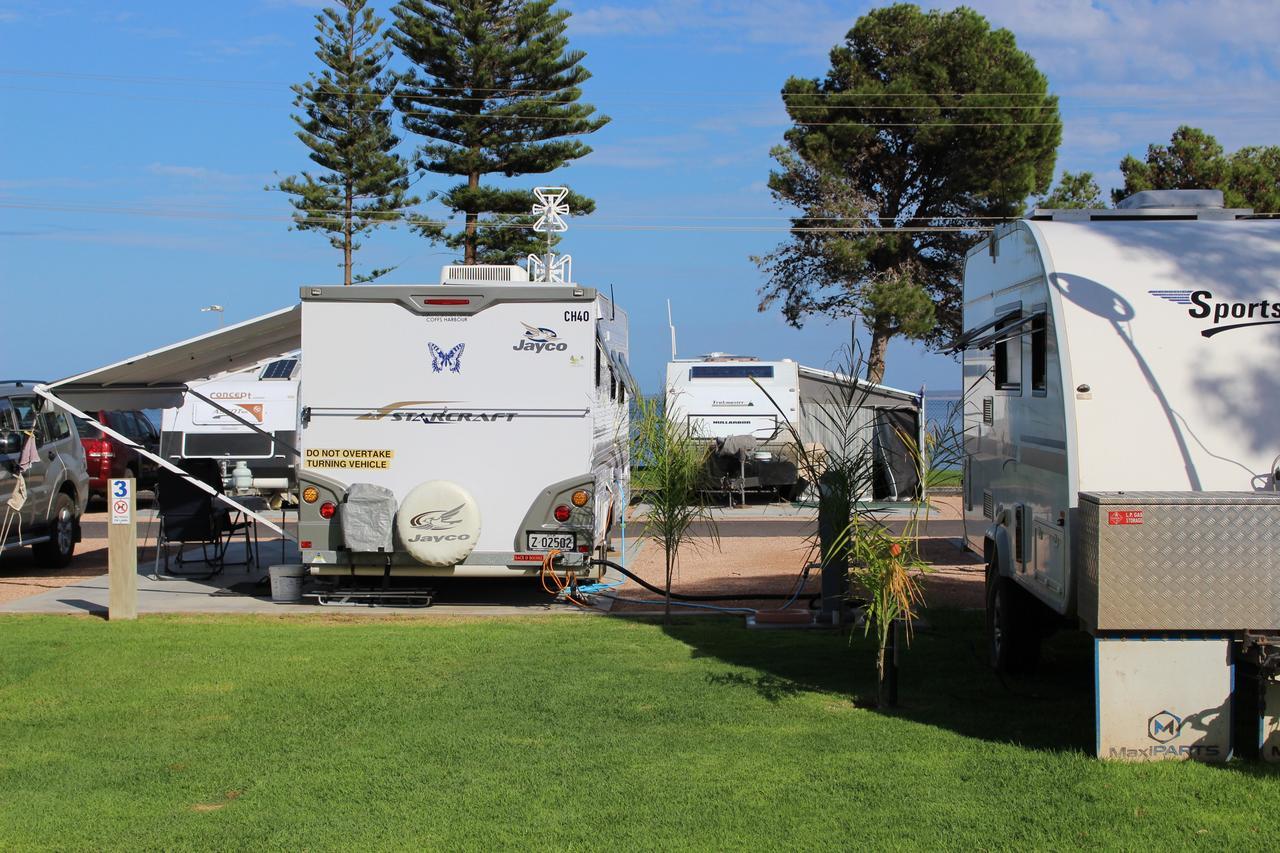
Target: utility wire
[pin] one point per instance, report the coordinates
(275, 84)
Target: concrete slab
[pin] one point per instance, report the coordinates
(246, 590)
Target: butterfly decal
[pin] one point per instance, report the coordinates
(442, 358)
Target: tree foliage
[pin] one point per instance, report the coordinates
(1194, 159)
(347, 126)
(494, 90)
(1075, 190)
(933, 119)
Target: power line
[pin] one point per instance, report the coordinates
(233, 216)
(443, 115)
(276, 84)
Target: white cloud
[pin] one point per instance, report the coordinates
(812, 27)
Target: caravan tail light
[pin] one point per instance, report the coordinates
(327, 509)
(310, 494)
(440, 301)
(580, 497)
(562, 513)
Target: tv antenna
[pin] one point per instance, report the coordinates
(551, 208)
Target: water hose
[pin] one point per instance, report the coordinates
(729, 596)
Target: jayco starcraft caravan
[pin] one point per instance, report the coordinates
(745, 405)
(1120, 416)
(468, 428)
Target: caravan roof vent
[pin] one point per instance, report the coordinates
(724, 356)
(484, 274)
(1172, 198)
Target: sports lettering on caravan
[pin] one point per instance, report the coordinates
(1226, 315)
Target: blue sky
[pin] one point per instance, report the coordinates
(127, 203)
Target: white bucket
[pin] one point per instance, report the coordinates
(286, 583)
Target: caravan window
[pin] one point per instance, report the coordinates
(1008, 353)
(731, 371)
(1039, 354)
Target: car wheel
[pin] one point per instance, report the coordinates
(61, 547)
(1013, 638)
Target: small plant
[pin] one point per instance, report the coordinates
(888, 569)
(884, 568)
(669, 466)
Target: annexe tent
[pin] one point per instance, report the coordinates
(159, 379)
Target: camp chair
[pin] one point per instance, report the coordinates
(191, 516)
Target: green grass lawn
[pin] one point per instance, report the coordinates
(568, 732)
(950, 478)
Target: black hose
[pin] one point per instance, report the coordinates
(730, 596)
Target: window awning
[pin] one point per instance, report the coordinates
(158, 379)
(1004, 327)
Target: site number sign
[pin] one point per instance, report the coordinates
(121, 506)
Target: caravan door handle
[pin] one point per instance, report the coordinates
(50, 455)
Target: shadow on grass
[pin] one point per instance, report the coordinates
(944, 680)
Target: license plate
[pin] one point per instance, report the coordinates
(547, 541)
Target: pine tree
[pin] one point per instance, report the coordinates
(915, 116)
(1194, 159)
(347, 126)
(495, 91)
(1075, 190)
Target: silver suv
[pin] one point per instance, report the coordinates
(57, 483)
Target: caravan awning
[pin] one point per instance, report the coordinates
(158, 379)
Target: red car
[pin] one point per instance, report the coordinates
(109, 458)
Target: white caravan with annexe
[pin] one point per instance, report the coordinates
(1121, 412)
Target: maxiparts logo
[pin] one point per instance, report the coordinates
(1226, 315)
(539, 339)
(1163, 729)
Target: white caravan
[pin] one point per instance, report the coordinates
(725, 396)
(246, 419)
(461, 429)
(1121, 412)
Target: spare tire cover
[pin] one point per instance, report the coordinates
(439, 523)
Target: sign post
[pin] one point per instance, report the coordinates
(122, 551)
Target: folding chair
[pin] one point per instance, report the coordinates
(191, 516)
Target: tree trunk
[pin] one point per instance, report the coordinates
(666, 617)
(473, 219)
(346, 239)
(880, 334)
(350, 187)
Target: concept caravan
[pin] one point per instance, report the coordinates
(725, 397)
(251, 433)
(1121, 412)
(467, 428)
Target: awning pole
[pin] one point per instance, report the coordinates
(43, 391)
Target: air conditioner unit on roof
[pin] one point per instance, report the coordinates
(484, 274)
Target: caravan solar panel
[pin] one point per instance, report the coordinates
(280, 369)
(725, 371)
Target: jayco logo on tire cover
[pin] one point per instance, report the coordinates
(438, 519)
(539, 339)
